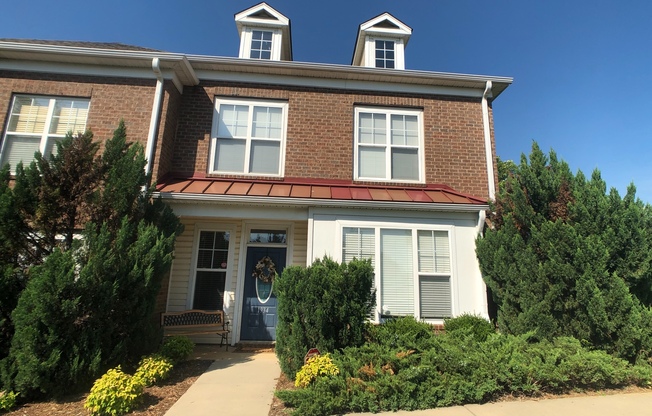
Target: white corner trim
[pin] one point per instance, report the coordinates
(487, 141)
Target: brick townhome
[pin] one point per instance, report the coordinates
(263, 157)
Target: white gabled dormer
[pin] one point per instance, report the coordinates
(381, 43)
(264, 34)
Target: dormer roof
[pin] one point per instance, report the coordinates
(383, 26)
(264, 17)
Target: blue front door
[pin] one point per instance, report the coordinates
(259, 303)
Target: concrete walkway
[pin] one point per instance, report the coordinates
(237, 383)
(241, 383)
(609, 405)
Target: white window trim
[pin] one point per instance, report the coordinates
(370, 52)
(251, 103)
(46, 129)
(388, 165)
(245, 43)
(231, 229)
(414, 228)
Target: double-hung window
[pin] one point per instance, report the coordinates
(413, 268)
(37, 123)
(388, 144)
(211, 270)
(248, 137)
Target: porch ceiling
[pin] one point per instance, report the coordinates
(318, 190)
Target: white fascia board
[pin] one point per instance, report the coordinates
(205, 65)
(402, 27)
(77, 69)
(340, 84)
(309, 202)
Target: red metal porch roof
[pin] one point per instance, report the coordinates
(315, 189)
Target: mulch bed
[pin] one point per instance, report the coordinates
(156, 401)
(277, 407)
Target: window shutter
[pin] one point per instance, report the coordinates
(397, 279)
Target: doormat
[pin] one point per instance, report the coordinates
(255, 348)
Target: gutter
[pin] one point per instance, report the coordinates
(487, 141)
(156, 114)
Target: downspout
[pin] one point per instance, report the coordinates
(154, 120)
(482, 292)
(487, 141)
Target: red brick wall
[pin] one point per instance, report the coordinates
(111, 98)
(320, 132)
(166, 131)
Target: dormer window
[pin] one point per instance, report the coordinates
(264, 34)
(385, 55)
(381, 43)
(261, 44)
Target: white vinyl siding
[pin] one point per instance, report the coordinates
(248, 137)
(37, 123)
(388, 145)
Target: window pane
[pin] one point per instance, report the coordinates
(205, 259)
(396, 272)
(405, 164)
(389, 64)
(29, 115)
(358, 243)
(265, 156)
(371, 162)
(68, 116)
(19, 148)
(209, 290)
(51, 147)
(268, 236)
(372, 128)
(233, 120)
(229, 155)
(434, 252)
(435, 297)
(222, 240)
(219, 259)
(206, 239)
(265, 55)
(267, 122)
(404, 130)
(254, 54)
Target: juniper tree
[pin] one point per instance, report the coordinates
(563, 257)
(88, 301)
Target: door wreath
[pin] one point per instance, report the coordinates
(265, 270)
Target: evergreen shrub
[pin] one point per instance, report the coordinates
(403, 332)
(177, 348)
(323, 306)
(455, 370)
(564, 257)
(474, 325)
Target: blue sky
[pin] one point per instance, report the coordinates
(582, 69)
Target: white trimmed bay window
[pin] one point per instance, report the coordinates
(413, 268)
(388, 145)
(248, 137)
(37, 123)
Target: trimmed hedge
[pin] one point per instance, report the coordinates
(325, 306)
